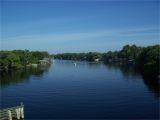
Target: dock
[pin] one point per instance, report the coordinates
(12, 113)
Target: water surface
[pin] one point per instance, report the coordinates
(87, 90)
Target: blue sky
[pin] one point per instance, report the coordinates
(78, 26)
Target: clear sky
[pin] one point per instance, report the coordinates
(78, 26)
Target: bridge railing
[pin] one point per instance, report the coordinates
(12, 113)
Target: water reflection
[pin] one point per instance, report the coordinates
(153, 85)
(128, 71)
(12, 77)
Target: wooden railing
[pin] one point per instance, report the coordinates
(12, 113)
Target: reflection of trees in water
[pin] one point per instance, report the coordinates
(153, 84)
(128, 70)
(15, 76)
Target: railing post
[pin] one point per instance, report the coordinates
(18, 113)
(22, 110)
(9, 115)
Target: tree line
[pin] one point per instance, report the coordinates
(128, 53)
(17, 59)
(145, 59)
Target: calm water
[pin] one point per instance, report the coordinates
(87, 90)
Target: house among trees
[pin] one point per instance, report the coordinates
(45, 61)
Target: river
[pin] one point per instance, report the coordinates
(82, 90)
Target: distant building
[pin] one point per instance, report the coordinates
(45, 61)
